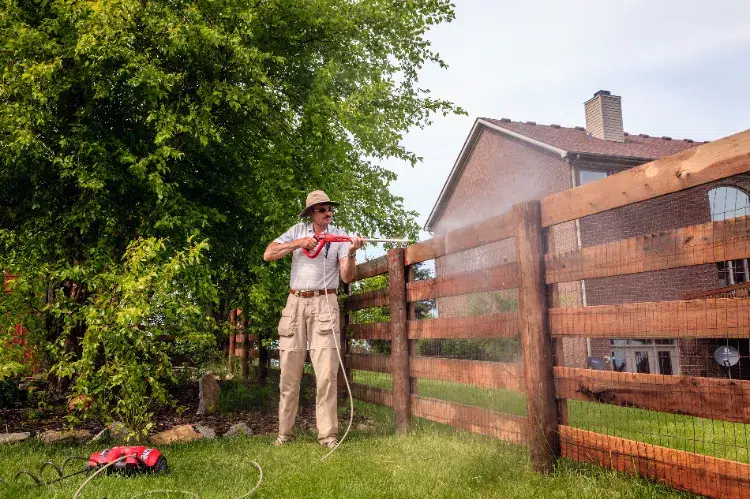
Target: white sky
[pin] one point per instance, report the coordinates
(681, 67)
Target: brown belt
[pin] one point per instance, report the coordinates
(310, 294)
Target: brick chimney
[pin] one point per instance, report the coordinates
(604, 117)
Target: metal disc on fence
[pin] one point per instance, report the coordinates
(726, 356)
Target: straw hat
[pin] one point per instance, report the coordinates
(315, 197)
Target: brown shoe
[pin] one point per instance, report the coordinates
(280, 441)
(331, 444)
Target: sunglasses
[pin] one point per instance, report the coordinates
(323, 209)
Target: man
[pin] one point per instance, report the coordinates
(311, 316)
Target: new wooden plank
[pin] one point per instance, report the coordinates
(500, 277)
(710, 318)
(371, 394)
(713, 398)
(502, 325)
(505, 375)
(377, 298)
(695, 245)
(470, 418)
(371, 268)
(370, 331)
(696, 473)
(702, 164)
(487, 231)
(369, 362)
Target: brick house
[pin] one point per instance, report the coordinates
(504, 162)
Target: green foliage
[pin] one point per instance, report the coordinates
(133, 134)
(10, 393)
(241, 396)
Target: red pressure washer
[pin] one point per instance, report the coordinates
(324, 239)
(140, 459)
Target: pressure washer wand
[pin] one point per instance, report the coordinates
(324, 239)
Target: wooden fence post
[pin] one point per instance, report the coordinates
(245, 342)
(399, 339)
(411, 314)
(542, 427)
(232, 337)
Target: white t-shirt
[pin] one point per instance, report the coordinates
(307, 273)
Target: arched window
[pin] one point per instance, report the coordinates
(726, 203)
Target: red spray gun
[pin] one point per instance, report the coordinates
(324, 239)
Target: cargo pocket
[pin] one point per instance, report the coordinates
(288, 322)
(325, 322)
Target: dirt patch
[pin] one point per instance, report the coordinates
(260, 422)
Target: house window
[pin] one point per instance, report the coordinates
(727, 203)
(645, 356)
(588, 176)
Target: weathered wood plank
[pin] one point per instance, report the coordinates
(702, 164)
(372, 394)
(505, 375)
(502, 325)
(695, 245)
(733, 291)
(369, 362)
(470, 418)
(371, 268)
(713, 398)
(399, 339)
(370, 331)
(487, 231)
(377, 298)
(696, 473)
(536, 341)
(500, 277)
(710, 318)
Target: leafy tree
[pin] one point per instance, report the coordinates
(149, 151)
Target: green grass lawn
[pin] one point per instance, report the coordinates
(431, 461)
(705, 436)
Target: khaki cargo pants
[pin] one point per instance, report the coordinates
(306, 321)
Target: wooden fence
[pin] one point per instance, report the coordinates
(542, 324)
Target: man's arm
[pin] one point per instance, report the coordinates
(277, 251)
(348, 264)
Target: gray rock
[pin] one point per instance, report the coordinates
(118, 431)
(55, 436)
(238, 429)
(209, 392)
(206, 431)
(10, 438)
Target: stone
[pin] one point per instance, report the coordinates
(238, 429)
(55, 436)
(117, 431)
(10, 438)
(365, 427)
(206, 431)
(182, 433)
(209, 392)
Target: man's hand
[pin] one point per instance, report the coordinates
(308, 243)
(357, 243)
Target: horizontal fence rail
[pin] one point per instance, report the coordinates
(495, 278)
(370, 331)
(485, 374)
(474, 419)
(378, 298)
(699, 165)
(695, 245)
(487, 231)
(713, 398)
(371, 268)
(710, 318)
(502, 325)
(697, 473)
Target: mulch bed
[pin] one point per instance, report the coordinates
(260, 422)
